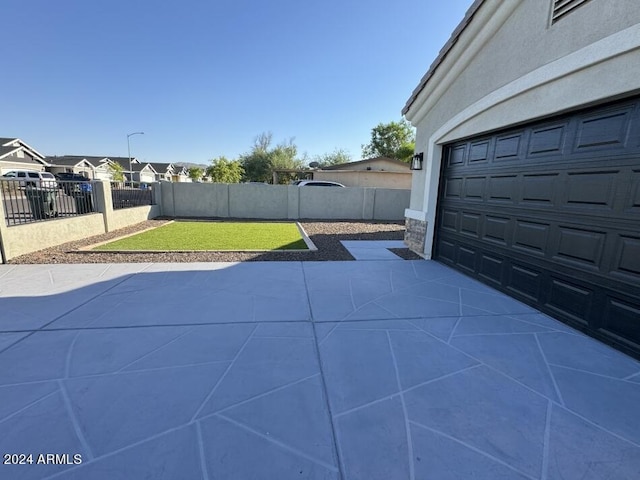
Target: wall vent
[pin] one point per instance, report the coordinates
(563, 7)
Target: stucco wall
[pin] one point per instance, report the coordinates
(388, 204)
(350, 178)
(380, 164)
(130, 216)
(511, 66)
(209, 200)
(280, 201)
(22, 239)
(195, 199)
(258, 201)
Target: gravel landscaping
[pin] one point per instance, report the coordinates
(325, 235)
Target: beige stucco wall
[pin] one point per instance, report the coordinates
(511, 66)
(381, 164)
(130, 216)
(363, 178)
(22, 239)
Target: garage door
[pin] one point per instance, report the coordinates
(550, 213)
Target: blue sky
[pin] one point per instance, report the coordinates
(202, 78)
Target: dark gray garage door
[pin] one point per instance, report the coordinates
(550, 213)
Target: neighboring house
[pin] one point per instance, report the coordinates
(101, 167)
(143, 172)
(71, 164)
(180, 174)
(529, 126)
(124, 163)
(17, 155)
(381, 172)
(164, 171)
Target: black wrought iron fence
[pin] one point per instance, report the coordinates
(45, 200)
(127, 195)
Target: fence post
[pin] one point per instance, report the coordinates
(167, 201)
(293, 202)
(368, 202)
(104, 202)
(3, 229)
(156, 195)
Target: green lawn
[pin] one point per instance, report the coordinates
(214, 236)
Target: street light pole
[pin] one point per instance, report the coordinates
(129, 152)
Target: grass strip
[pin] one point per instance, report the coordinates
(216, 236)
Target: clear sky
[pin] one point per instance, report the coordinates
(202, 78)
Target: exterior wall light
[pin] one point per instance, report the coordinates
(416, 161)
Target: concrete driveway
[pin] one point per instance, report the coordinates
(382, 369)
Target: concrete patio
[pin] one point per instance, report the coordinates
(383, 369)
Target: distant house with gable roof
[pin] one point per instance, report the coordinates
(17, 155)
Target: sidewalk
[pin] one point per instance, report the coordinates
(385, 369)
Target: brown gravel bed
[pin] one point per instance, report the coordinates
(325, 235)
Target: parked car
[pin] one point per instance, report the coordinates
(78, 177)
(72, 183)
(32, 178)
(317, 183)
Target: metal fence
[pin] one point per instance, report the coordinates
(45, 200)
(127, 195)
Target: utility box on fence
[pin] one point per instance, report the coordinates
(43, 202)
(83, 198)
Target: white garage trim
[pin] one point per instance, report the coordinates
(603, 50)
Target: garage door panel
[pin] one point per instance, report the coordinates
(525, 281)
(470, 224)
(571, 300)
(503, 188)
(479, 151)
(508, 147)
(531, 237)
(539, 188)
(449, 220)
(496, 229)
(628, 257)
(634, 199)
(491, 269)
(474, 189)
(467, 258)
(548, 140)
(447, 251)
(621, 318)
(582, 246)
(453, 188)
(457, 155)
(606, 131)
(592, 189)
(552, 217)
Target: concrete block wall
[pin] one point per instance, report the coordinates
(19, 240)
(280, 202)
(269, 202)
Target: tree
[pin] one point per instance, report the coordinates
(393, 140)
(285, 157)
(195, 173)
(337, 157)
(117, 172)
(260, 163)
(223, 170)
